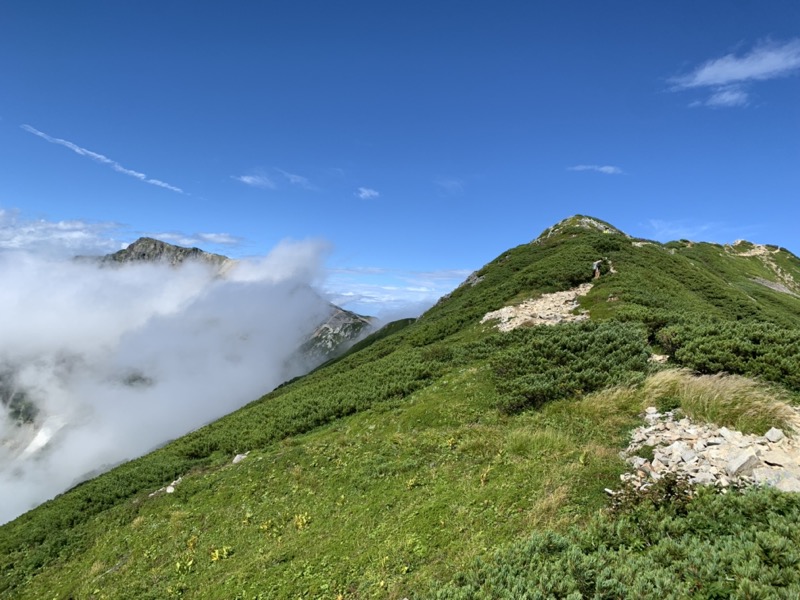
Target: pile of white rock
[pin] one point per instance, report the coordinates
(711, 455)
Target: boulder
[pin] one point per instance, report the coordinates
(777, 457)
(774, 435)
(743, 463)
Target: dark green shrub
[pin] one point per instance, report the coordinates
(734, 545)
(543, 364)
(762, 350)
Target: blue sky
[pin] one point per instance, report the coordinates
(421, 139)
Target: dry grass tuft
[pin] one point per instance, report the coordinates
(725, 400)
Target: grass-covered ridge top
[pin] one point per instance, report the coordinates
(430, 444)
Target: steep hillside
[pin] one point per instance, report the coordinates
(444, 457)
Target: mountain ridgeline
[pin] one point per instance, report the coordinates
(444, 457)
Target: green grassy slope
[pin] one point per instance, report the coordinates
(431, 444)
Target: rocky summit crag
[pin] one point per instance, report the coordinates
(147, 249)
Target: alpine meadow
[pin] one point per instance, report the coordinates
(485, 450)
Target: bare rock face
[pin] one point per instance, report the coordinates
(711, 455)
(337, 333)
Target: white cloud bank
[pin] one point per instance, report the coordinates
(78, 237)
(194, 346)
(55, 237)
(102, 159)
(605, 169)
(728, 76)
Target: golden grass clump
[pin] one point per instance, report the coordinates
(725, 400)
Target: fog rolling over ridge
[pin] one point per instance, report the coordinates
(98, 365)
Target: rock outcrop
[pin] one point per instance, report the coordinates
(337, 333)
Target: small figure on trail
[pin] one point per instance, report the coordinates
(596, 268)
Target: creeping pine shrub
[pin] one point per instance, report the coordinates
(671, 493)
(734, 545)
(762, 350)
(549, 363)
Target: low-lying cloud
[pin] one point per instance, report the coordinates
(118, 360)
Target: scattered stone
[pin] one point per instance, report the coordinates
(743, 464)
(169, 489)
(774, 435)
(239, 458)
(703, 478)
(711, 455)
(777, 457)
(548, 309)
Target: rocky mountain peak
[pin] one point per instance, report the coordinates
(147, 249)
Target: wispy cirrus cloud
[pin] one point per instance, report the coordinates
(450, 185)
(725, 97)
(605, 169)
(220, 238)
(297, 180)
(366, 193)
(258, 180)
(727, 77)
(665, 231)
(97, 157)
(707, 231)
